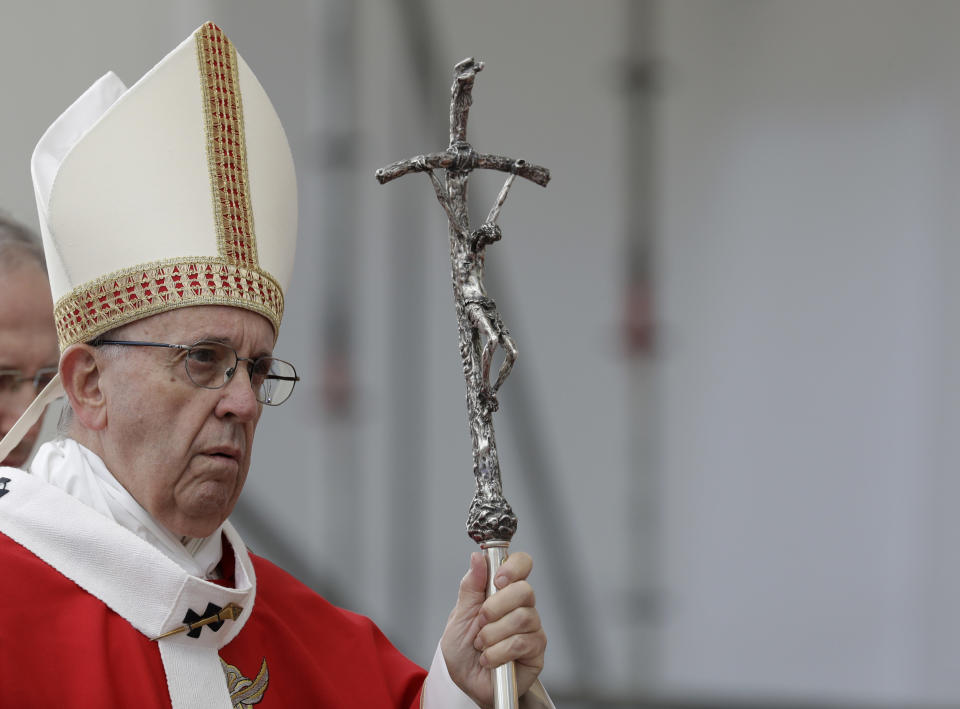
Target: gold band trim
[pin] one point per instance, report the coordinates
(226, 146)
(121, 297)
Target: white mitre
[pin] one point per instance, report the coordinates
(178, 191)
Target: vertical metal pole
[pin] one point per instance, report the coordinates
(643, 488)
(504, 676)
(331, 176)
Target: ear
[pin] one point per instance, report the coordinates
(80, 375)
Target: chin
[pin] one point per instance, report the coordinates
(197, 528)
(197, 509)
(205, 518)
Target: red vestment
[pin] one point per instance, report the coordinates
(62, 647)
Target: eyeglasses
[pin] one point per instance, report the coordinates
(12, 379)
(210, 365)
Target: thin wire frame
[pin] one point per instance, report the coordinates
(12, 379)
(272, 379)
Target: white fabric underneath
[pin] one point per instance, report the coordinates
(82, 474)
(116, 565)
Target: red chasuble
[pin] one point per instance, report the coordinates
(62, 647)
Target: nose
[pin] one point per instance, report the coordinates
(13, 404)
(238, 398)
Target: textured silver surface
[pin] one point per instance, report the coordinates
(480, 326)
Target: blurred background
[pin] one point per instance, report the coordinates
(729, 436)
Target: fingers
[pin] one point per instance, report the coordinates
(517, 636)
(513, 589)
(474, 583)
(516, 567)
(517, 622)
(473, 586)
(510, 627)
(519, 594)
(482, 633)
(526, 649)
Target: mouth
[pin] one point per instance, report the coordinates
(224, 453)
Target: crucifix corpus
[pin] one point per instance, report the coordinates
(490, 522)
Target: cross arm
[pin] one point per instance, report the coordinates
(459, 161)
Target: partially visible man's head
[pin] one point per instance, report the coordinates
(28, 339)
(181, 450)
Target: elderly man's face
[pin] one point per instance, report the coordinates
(28, 342)
(183, 452)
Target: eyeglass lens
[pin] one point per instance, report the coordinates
(12, 379)
(211, 365)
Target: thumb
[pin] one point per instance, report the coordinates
(473, 586)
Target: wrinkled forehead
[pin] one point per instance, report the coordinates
(23, 278)
(238, 327)
(27, 333)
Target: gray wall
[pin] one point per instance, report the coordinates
(807, 250)
(796, 422)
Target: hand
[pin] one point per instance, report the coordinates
(483, 633)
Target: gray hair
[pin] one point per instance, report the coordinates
(67, 420)
(18, 245)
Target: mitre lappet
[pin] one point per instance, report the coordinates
(178, 191)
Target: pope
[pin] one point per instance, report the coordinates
(168, 215)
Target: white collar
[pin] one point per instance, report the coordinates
(134, 578)
(80, 473)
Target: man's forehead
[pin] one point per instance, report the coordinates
(28, 339)
(221, 323)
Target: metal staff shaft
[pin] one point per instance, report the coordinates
(505, 694)
(490, 521)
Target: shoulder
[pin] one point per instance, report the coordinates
(16, 560)
(36, 581)
(315, 649)
(31, 585)
(287, 608)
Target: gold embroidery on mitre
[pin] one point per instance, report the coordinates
(245, 692)
(147, 289)
(226, 146)
(232, 277)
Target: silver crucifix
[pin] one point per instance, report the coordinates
(490, 521)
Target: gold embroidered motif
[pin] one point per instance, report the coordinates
(244, 692)
(146, 289)
(226, 146)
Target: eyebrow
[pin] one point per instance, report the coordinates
(211, 338)
(227, 341)
(16, 368)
